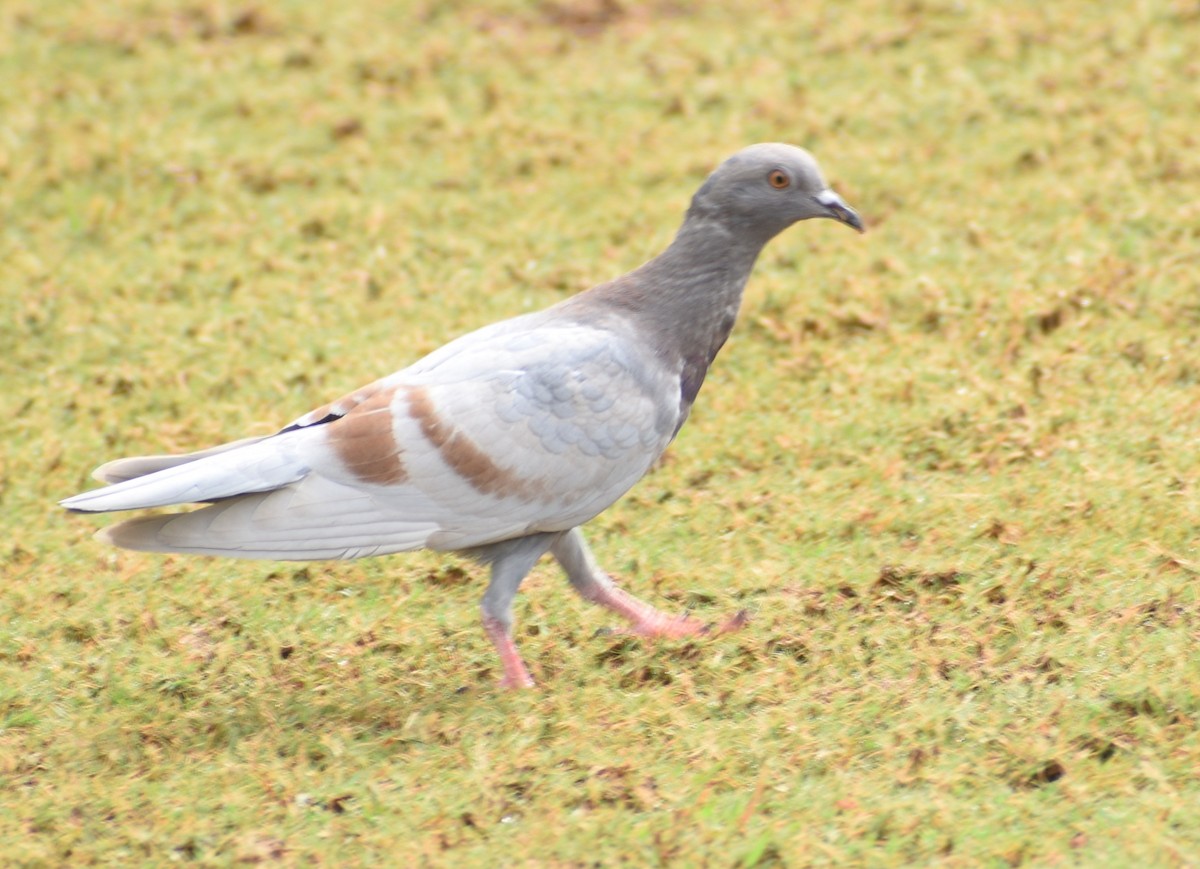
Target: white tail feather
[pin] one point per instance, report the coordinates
(120, 470)
(273, 525)
(254, 466)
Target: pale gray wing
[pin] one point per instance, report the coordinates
(544, 429)
(505, 432)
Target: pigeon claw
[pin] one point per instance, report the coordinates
(736, 622)
(516, 681)
(657, 624)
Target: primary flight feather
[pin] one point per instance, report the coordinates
(503, 442)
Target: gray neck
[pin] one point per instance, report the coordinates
(685, 300)
(688, 296)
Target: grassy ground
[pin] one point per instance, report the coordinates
(950, 466)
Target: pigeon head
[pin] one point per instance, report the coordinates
(766, 188)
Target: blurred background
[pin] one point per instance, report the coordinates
(951, 465)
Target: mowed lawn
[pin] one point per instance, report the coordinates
(951, 467)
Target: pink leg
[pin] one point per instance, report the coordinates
(515, 674)
(597, 586)
(510, 561)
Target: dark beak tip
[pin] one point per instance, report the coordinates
(837, 209)
(850, 217)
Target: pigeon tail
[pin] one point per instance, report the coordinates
(257, 466)
(282, 525)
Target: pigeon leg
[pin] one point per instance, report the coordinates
(594, 585)
(515, 673)
(511, 561)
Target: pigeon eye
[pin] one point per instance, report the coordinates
(778, 179)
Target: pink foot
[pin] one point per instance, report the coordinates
(646, 621)
(515, 673)
(518, 679)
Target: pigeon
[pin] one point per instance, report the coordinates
(502, 443)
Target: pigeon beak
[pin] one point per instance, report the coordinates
(836, 208)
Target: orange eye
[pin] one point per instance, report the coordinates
(778, 179)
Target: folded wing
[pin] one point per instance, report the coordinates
(522, 427)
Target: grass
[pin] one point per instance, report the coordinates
(951, 466)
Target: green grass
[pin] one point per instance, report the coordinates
(951, 467)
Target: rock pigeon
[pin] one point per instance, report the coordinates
(502, 443)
